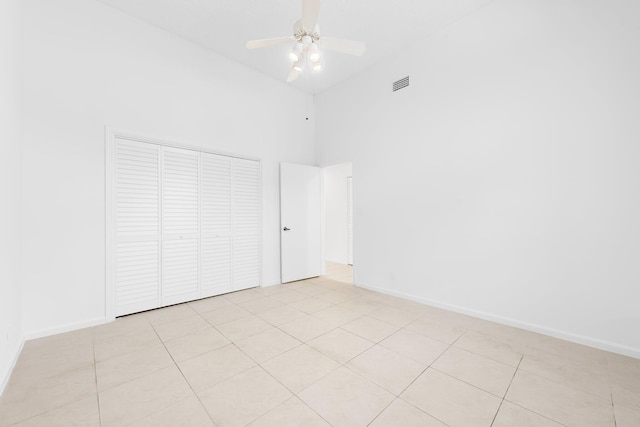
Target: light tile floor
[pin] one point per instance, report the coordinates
(318, 352)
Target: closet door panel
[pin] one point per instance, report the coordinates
(246, 224)
(137, 226)
(180, 225)
(216, 225)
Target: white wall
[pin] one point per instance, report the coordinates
(87, 66)
(10, 187)
(504, 181)
(335, 213)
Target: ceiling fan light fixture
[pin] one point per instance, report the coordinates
(297, 65)
(314, 53)
(318, 66)
(296, 52)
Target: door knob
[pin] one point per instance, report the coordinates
(286, 229)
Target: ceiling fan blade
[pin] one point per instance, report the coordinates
(351, 47)
(310, 12)
(255, 44)
(293, 74)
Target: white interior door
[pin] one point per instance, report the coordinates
(300, 222)
(180, 225)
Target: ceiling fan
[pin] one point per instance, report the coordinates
(307, 41)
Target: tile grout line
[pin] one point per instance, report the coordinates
(506, 391)
(95, 372)
(175, 363)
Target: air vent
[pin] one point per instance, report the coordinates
(402, 83)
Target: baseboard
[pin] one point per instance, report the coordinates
(65, 328)
(5, 380)
(563, 335)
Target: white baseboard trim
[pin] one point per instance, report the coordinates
(556, 333)
(65, 328)
(5, 380)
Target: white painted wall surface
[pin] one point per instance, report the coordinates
(335, 212)
(87, 66)
(10, 186)
(504, 181)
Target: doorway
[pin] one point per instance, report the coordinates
(337, 198)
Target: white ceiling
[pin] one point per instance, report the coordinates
(224, 26)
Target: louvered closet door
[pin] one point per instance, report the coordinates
(180, 225)
(216, 225)
(137, 226)
(246, 224)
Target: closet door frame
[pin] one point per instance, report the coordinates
(111, 135)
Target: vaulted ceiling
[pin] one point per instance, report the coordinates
(224, 26)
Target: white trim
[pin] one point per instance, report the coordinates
(66, 328)
(134, 136)
(563, 335)
(16, 356)
(109, 311)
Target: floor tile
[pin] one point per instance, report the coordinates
(192, 345)
(479, 371)
(361, 306)
(389, 370)
(307, 328)
(169, 314)
(311, 305)
(370, 329)
(311, 290)
(401, 413)
(452, 401)
(300, 367)
(225, 314)
(589, 379)
(243, 398)
(24, 400)
(270, 290)
(558, 402)
(438, 331)
(213, 367)
(340, 345)
(281, 315)
(187, 413)
(487, 346)
(622, 395)
(209, 304)
(83, 413)
(414, 346)
(259, 305)
(394, 316)
(107, 347)
(242, 296)
(336, 296)
(289, 296)
(344, 398)
(180, 327)
(266, 345)
(511, 415)
(336, 315)
(121, 369)
(243, 328)
(54, 355)
(626, 417)
(142, 397)
(292, 413)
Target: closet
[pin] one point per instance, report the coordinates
(185, 224)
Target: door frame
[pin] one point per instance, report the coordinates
(111, 134)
